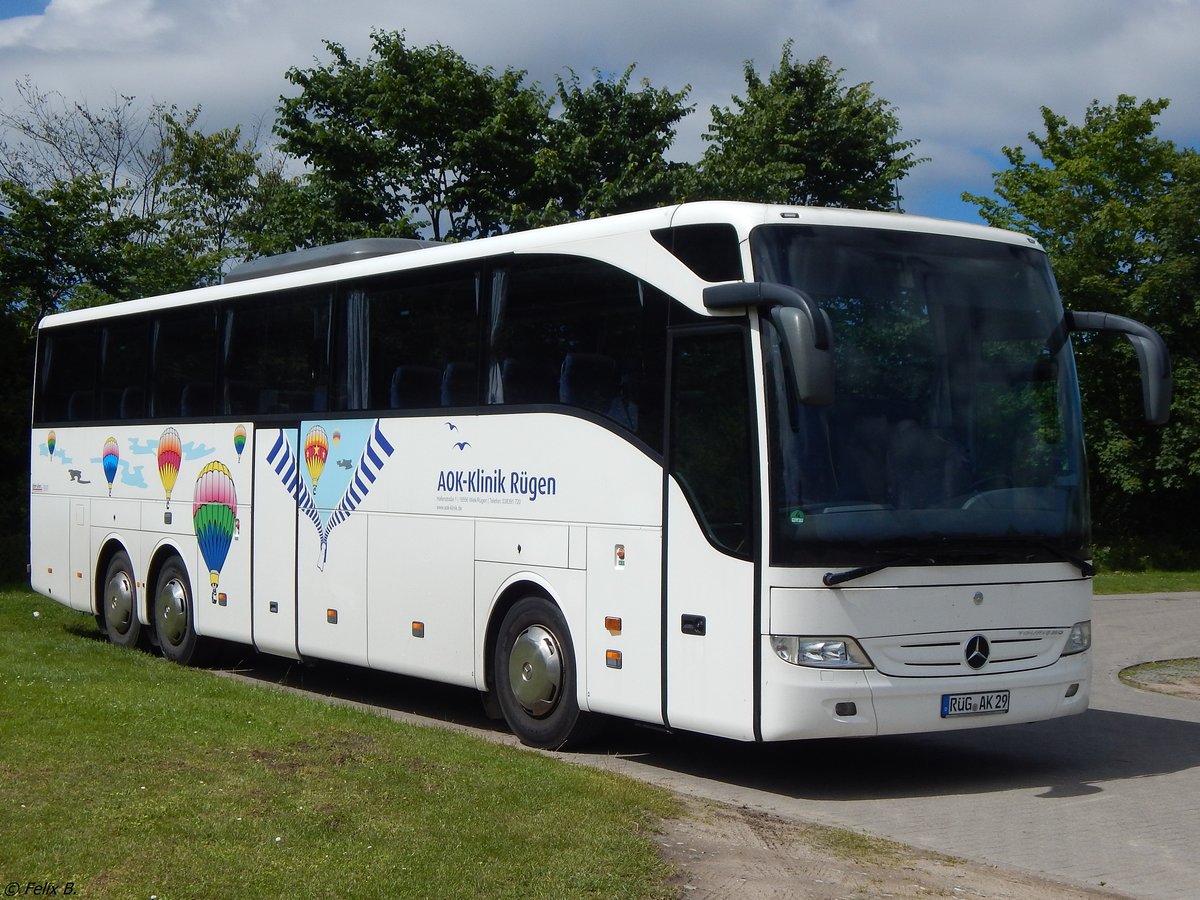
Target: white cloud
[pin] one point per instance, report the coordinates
(965, 77)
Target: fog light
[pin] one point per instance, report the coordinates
(845, 710)
(1073, 690)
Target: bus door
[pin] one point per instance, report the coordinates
(276, 482)
(712, 534)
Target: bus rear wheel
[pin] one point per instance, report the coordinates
(174, 617)
(119, 602)
(534, 674)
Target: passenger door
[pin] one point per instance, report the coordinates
(712, 535)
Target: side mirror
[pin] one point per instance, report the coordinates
(811, 368)
(1153, 359)
(805, 331)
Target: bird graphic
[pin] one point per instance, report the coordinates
(462, 445)
(452, 426)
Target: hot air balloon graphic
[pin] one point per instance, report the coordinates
(316, 451)
(51, 442)
(110, 458)
(214, 516)
(170, 453)
(337, 438)
(239, 440)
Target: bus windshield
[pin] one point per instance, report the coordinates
(954, 435)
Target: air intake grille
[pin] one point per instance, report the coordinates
(945, 655)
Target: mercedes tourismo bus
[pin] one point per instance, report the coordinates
(753, 471)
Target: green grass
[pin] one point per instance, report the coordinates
(132, 777)
(1150, 581)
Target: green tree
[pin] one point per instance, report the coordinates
(61, 247)
(169, 204)
(802, 137)
(413, 137)
(220, 201)
(1118, 210)
(53, 140)
(605, 152)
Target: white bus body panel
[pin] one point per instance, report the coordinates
(86, 498)
(1026, 624)
(710, 677)
(331, 618)
(274, 571)
(399, 504)
(420, 572)
(50, 536)
(624, 581)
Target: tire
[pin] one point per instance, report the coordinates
(533, 669)
(174, 615)
(118, 604)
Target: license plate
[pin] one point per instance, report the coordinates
(989, 703)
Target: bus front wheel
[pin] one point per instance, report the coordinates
(119, 603)
(174, 618)
(534, 674)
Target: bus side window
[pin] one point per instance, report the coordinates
(66, 374)
(277, 354)
(184, 363)
(123, 353)
(582, 334)
(711, 426)
(422, 335)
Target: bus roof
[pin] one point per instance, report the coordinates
(375, 256)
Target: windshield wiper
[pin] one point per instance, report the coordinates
(1086, 569)
(833, 579)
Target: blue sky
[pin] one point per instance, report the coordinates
(11, 8)
(966, 77)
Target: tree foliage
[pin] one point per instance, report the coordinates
(419, 138)
(54, 140)
(60, 245)
(105, 204)
(413, 137)
(802, 137)
(605, 151)
(1118, 210)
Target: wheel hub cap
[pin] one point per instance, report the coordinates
(172, 612)
(535, 670)
(118, 603)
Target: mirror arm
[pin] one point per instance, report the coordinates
(1153, 359)
(770, 294)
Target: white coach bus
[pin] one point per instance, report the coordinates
(760, 472)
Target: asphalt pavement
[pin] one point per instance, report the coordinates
(1108, 799)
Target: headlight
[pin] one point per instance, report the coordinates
(822, 652)
(1079, 639)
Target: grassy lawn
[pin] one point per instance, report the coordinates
(1145, 582)
(132, 777)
